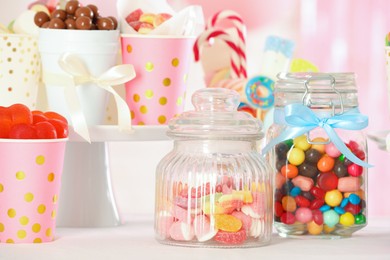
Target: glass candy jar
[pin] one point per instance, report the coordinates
(320, 154)
(214, 189)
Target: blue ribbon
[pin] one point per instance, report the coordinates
(300, 119)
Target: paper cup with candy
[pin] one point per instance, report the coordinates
(32, 155)
(161, 63)
(20, 69)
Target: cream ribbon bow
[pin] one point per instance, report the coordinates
(75, 67)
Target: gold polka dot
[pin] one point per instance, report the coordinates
(149, 93)
(143, 109)
(136, 98)
(163, 101)
(185, 77)
(129, 48)
(162, 119)
(36, 228)
(55, 198)
(1, 187)
(179, 101)
(23, 220)
(40, 159)
(8, 44)
(25, 79)
(14, 49)
(41, 209)
(10, 241)
(37, 240)
(48, 232)
(10, 71)
(149, 66)
(175, 62)
(20, 175)
(141, 123)
(21, 60)
(11, 213)
(53, 214)
(9, 59)
(28, 197)
(50, 177)
(1, 227)
(167, 82)
(22, 234)
(132, 114)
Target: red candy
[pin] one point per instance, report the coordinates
(316, 203)
(20, 114)
(302, 201)
(327, 181)
(278, 209)
(60, 127)
(318, 217)
(231, 238)
(354, 209)
(23, 131)
(355, 170)
(317, 192)
(45, 130)
(288, 218)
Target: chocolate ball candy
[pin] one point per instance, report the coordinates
(83, 23)
(94, 10)
(72, 6)
(70, 24)
(84, 11)
(312, 156)
(105, 23)
(94, 27)
(115, 21)
(340, 169)
(45, 25)
(57, 23)
(71, 16)
(308, 170)
(59, 13)
(40, 18)
(281, 150)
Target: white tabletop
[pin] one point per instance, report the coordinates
(135, 240)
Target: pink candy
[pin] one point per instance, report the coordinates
(304, 183)
(332, 150)
(348, 184)
(181, 231)
(303, 215)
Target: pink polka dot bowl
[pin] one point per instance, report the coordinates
(30, 180)
(161, 63)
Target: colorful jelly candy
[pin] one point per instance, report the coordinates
(231, 238)
(144, 23)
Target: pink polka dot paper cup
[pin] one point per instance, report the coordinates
(161, 63)
(30, 180)
(20, 70)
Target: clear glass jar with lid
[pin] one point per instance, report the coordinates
(320, 155)
(214, 189)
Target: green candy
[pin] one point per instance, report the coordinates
(331, 218)
(289, 143)
(342, 158)
(360, 219)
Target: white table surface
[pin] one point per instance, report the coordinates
(135, 240)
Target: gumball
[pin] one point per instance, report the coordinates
(347, 219)
(312, 156)
(331, 218)
(328, 181)
(313, 228)
(333, 198)
(296, 156)
(340, 169)
(289, 204)
(303, 215)
(308, 170)
(332, 150)
(355, 170)
(360, 219)
(319, 147)
(289, 171)
(318, 217)
(288, 218)
(301, 143)
(325, 164)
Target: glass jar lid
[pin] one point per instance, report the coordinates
(215, 117)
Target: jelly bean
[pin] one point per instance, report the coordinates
(302, 201)
(324, 208)
(278, 209)
(301, 143)
(313, 228)
(289, 171)
(308, 195)
(304, 183)
(339, 210)
(327, 181)
(348, 184)
(360, 219)
(295, 191)
(316, 203)
(278, 195)
(331, 218)
(353, 146)
(317, 192)
(281, 150)
(347, 219)
(340, 169)
(288, 218)
(344, 202)
(354, 209)
(360, 154)
(318, 218)
(286, 188)
(332, 150)
(303, 215)
(355, 170)
(312, 156)
(227, 223)
(328, 230)
(333, 198)
(319, 147)
(289, 204)
(308, 170)
(354, 199)
(296, 156)
(231, 238)
(325, 164)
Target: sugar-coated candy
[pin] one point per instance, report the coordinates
(289, 204)
(304, 183)
(324, 208)
(245, 219)
(301, 143)
(354, 199)
(318, 218)
(303, 215)
(296, 156)
(317, 144)
(313, 228)
(333, 198)
(308, 170)
(355, 170)
(312, 156)
(331, 218)
(359, 192)
(344, 202)
(339, 210)
(295, 191)
(327, 181)
(360, 219)
(347, 219)
(340, 169)
(325, 164)
(227, 223)
(287, 186)
(348, 184)
(289, 171)
(332, 150)
(231, 238)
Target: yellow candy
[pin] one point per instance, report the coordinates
(227, 223)
(319, 147)
(333, 198)
(313, 228)
(147, 18)
(301, 143)
(296, 156)
(347, 219)
(301, 65)
(328, 229)
(244, 195)
(209, 209)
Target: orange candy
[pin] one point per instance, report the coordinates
(319, 147)
(325, 164)
(289, 204)
(227, 223)
(289, 171)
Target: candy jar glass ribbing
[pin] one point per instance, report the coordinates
(214, 189)
(320, 155)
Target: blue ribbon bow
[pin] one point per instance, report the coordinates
(300, 119)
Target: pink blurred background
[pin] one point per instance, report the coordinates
(337, 36)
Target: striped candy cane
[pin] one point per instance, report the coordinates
(204, 39)
(239, 25)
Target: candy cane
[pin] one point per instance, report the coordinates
(238, 23)
(205, 37)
